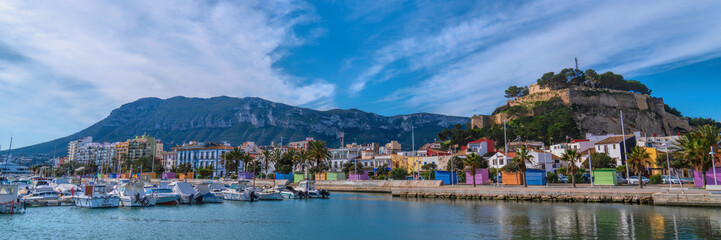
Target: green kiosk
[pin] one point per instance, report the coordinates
(605, 176)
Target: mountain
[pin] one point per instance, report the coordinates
(235, 120)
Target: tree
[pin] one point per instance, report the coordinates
(184, 168)
(231, 160)
(284, 164)
(398, 174)
(270, 157)
(473, 161)
(523, 156)
(319, 153)
(383, 170)
(571, 156)
(457, 163)
(205, 172)
(637, 160)
(601, 160)
(349, 167)
(672, 111)
(516, 91)
(694, 147)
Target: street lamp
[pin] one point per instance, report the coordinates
(713, 166)
(668, 163)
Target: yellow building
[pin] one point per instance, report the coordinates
(398, 161)
(121, 151)
(653, 154)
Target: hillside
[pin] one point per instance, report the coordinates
(235, 120)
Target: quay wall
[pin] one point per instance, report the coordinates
(382, 186)
(528, 194)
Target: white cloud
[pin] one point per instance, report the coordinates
(479, 57)
(86, 57)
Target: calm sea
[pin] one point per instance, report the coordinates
(367, 216)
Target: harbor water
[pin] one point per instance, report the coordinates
(367, 216)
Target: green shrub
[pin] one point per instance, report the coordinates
(461, 176)
(398, 174)
(552, 177)
(655, 179)
(271, 175)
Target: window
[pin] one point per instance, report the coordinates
(614, 146)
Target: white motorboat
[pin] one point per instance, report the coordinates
(9, 202)
(133, 195)
(163, 196)
(307, 187)
(96, 196)
(186, 191)
(269, 194)
(42, 193)
(240, 191)
(288, 192)
(204, 195)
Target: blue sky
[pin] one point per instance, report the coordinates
(66, 65)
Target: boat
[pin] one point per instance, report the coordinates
(288, 192)
(240, 191)
(42, 193)
(9, 202)
(308, 187)
(133, 195)
(269, 194)
(96, 196)
(204, 195)
(186, 191)
(163, 196)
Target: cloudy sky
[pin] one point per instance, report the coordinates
(66, 64)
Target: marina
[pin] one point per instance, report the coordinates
(368, 215)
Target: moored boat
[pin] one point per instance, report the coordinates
(240, 191)
(133, 195)
(163, 196)
(308, 187)
(9, 202)
(96, 196)
(186, 191)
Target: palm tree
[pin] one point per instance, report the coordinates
(473, 161)
(319, 153)
(571, 156)
(523, 156)
(232, 159)
(694, 147)
(637, 160)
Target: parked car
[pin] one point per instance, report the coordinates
(634, 180)
(563, 179)
(621, 180)
(674, 180)
(687, 180)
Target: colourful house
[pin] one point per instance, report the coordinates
(605, 176)
(447, 177)
(535, 177)
(512, 178)
(280, 176)
(335, 176)
(481, 176)
(698, 180)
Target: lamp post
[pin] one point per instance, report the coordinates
(668, 164)
(590, 166)
(713, 166)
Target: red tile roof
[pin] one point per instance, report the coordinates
(482, 140)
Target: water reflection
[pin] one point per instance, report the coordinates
(363, 216)
(588, 221)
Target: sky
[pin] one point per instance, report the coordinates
(65, 65)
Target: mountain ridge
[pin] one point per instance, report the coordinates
(180, 119)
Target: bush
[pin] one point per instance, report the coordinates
(579, 178)
(461, 176)
(655, 179)
(271, 175)
(398, 174)
(381, 177)
(552, 177)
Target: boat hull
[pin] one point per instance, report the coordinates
(98, 202)
(166, 200)
(11, 208)
(270, 196)
(132, 202)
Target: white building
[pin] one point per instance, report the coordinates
(579, 145)
(86, 151)
(481, 146)
(204, 155)
(614, 147)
